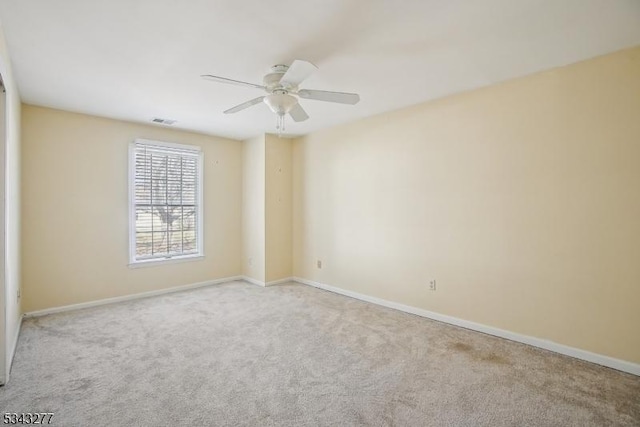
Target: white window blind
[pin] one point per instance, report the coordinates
(166, 208)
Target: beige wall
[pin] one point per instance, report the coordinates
(278, 207)
(75, 209)
(11, 183)
(267, 210)
(253, 209)
(521, 199)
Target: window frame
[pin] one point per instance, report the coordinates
(199, 254)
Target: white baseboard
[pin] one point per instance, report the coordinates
(130, 297)
(263, 284)
(280, 281)
(254, 281)
(621, 365)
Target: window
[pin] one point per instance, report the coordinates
(165, 191)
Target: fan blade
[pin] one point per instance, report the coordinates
(244, 105)
(298, 114)
(297, 72)
(230, 81)
(323, 95)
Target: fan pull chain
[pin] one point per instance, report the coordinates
(280, 124)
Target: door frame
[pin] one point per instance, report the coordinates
(4, 348)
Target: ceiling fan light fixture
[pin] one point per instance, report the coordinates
(280, 103)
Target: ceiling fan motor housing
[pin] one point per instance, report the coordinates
(272, 80)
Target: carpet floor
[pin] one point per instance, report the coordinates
(292, 355)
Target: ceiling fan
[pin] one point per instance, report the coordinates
(281, 85)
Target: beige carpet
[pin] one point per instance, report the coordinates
(292, 355)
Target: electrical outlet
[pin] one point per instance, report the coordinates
(250, 262)
(432, 285)
(18, 293)
(319, 263)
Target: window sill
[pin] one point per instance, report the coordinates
(162, 261)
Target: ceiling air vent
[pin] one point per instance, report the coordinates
(163, 121)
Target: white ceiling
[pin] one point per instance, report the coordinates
(139, 59)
